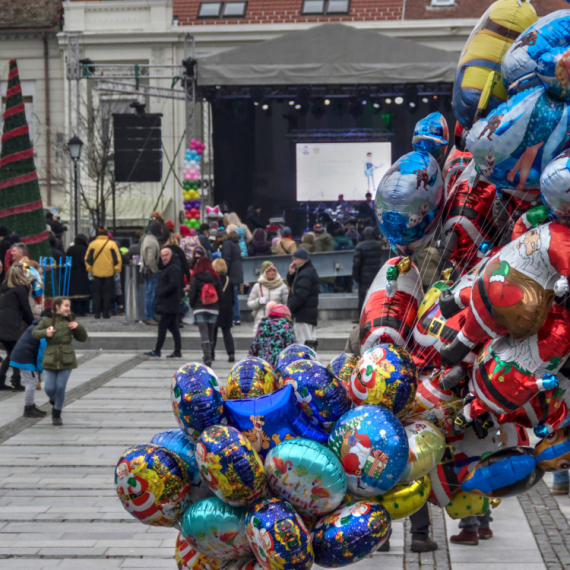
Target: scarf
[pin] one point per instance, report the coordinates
(273, 284)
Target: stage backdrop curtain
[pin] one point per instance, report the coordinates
(328, 54)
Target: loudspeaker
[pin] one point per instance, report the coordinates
(138, 147)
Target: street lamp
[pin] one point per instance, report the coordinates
(74, 146)
(111, 167)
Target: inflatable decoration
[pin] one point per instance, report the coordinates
(342, 366)
(197, 399)
(478, 86)
(553, 452)
(175, 441)
(385, 375)
(530, 219)
(216, 529)
(292, 353)
(249, 378)
(320, 393)
(454, 166)
(351, 533)
(427, 445)
(307, 475)
(230, 466)
(431, 134)
(152, 485)
(188, 558)
(405, 499)
(409, 201)
(540, 56)
(391, 304)
(467, 505)
(513, 144)
(268, 420)
(554, 186)
(278, 536)
(373, 449)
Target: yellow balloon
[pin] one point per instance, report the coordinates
(406, 499)
(467, 505)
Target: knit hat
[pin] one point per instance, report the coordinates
(318, 228)
(265, 265)
(184, 230)
(221, 233)
(170, 225)
(286, 231)
(301, 253)
(278, 309)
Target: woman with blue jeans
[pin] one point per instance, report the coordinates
(561, 485)
(59, 355)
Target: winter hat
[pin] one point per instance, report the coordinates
(286, 231)
(318, 228)
(301, 253)
(184, 230)
(265, 265)
(170, 225)
(221, 233)
(278, 309)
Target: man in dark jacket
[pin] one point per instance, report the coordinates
(231, 254)
(303, 301)
(79, 287)
(368, 257)
(204, 237)
(168, 297)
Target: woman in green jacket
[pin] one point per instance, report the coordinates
(59, 355)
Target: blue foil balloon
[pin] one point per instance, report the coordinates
(306, 474)
(292, 353)
(230, 466)
(555, 186)
(431, 135)
(249, 378)
(372, 446)
(342, 367)
(319, 392)
(513, 144)
(216, 529)
(410, 200)
(278, 536)
(351, 533)
(268, 420)
(197, 399)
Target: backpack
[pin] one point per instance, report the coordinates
(208, 295)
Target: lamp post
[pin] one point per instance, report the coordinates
(111, 167)
(74, 146)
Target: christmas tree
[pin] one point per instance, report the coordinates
(21, 206)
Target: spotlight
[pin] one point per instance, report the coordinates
(376, 107)
(425, 99)
(297, 106)
(364, 102)
(256, 103)
(388, 101)
(291, 102)
(266, 109)
(399, 100)
(265, 106)
(327, 101)
(412, 107)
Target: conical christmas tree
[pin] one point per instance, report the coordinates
(21, 206)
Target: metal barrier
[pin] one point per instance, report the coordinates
(134, 294)
(57, 276)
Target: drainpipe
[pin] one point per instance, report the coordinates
(48, 119)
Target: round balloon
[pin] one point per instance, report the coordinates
(230, 466)
(319, 392)
(197, 399)
(152, 485)
(249, 378)
(278, 536)
(372, 446)
(351, 533)
(406, 498)
(554, 185)
(385, 375)
(216, 529)
(342, 366)
(188, 558)
(307, 475)
(553, 452)
(427, 446)
(431, 135)
(292, 353)
(410, 200)
(467, 505)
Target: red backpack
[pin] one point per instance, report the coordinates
(208, 295)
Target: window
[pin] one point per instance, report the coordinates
(222, 10)
(325, 7)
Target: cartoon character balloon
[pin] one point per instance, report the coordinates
(554, 186)
(152, 485)
(342, 366)
(188, 558)
(431, 134)
(249, 378)
(410, 200)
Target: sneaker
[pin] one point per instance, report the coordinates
(174, 355)
(237, 323)
(427, 545)
(560, 488)
(465, 537)
(33, 412)
(152, 354)
(151, 322)
(485, 533)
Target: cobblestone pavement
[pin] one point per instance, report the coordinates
(58, 507)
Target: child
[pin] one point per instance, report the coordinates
(27, 356)
(59, 356)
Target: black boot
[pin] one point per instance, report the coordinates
(207, 351)
(17, 384)
(312, 344)
(56, 417)
(33, 412)
(454, 352)
(231, 358)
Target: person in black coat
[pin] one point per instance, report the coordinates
(14, 308)
(79, 287)
(303, 302)
(253, 219)
(179, 253)
(259, 246)
(368, 258)
(231, 254)
(203, 237)
(225, 314)
(168, 297)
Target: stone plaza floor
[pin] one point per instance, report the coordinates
(58, 507)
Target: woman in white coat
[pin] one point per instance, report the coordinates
(269, 287)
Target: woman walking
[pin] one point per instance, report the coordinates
(225, 315)
(269, 287)
(14, 308)
(204, 298)
(59, 356)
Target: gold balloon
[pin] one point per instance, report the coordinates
(467, 505)
(406, 499)
(427, 446)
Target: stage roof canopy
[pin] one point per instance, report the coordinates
(328, 54)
